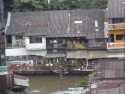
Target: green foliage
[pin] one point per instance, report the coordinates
(55, 4)
(23, 5)
(84, 81)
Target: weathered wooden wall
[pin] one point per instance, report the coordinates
(113, 68)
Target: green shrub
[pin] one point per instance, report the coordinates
(84, 81)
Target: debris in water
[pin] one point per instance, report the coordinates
(35, 91)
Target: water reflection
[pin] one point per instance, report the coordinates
(49, 84)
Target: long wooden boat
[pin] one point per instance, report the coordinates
(53, 72)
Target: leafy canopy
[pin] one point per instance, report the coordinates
(23, 5)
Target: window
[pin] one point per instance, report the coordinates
(19, 37)
(119, 37)
(35, 40)
(9, 39)
(117, 20)
(112, 38)
(56, 43)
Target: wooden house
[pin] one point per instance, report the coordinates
(54, 37)
(116, 24)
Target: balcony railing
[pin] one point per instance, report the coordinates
(15, 45)
(56, 50)
(118, 26)
(116, 45)
(18, 44)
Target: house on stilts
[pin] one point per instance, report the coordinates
(110, 71)
(67, 37)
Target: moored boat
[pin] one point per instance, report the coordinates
(77, 90)
(81, 71)
(20, 83)
(59, 71)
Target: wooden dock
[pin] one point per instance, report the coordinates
(47, 70)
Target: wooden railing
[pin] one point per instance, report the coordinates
(116, 45)
(117, 26)
(18, 44)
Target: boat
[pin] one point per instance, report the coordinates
(20, 83)
(35, 91)
(34, 72)
(10, 81)
(54, 72)
(79, 71)
(59, 71)
(77, 90)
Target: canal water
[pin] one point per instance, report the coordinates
(50, 84)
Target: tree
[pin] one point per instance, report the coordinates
(26, 5)
(29, 5)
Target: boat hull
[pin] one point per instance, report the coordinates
(50, 72)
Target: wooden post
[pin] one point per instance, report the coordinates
(87, 63)
(3, 83)
(3, 76)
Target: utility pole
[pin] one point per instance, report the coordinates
(3, 68)
(2, 34)
(48, 1)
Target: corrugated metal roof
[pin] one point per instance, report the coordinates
(58, 23)
(28, 23)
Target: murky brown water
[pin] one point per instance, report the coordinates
(49, 84)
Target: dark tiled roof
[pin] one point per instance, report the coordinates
(58, 23)
(116, 9)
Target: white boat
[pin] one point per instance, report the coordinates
(21, 81)
(58, 71)
(35, 91)
(78, 90)
(68, 92)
